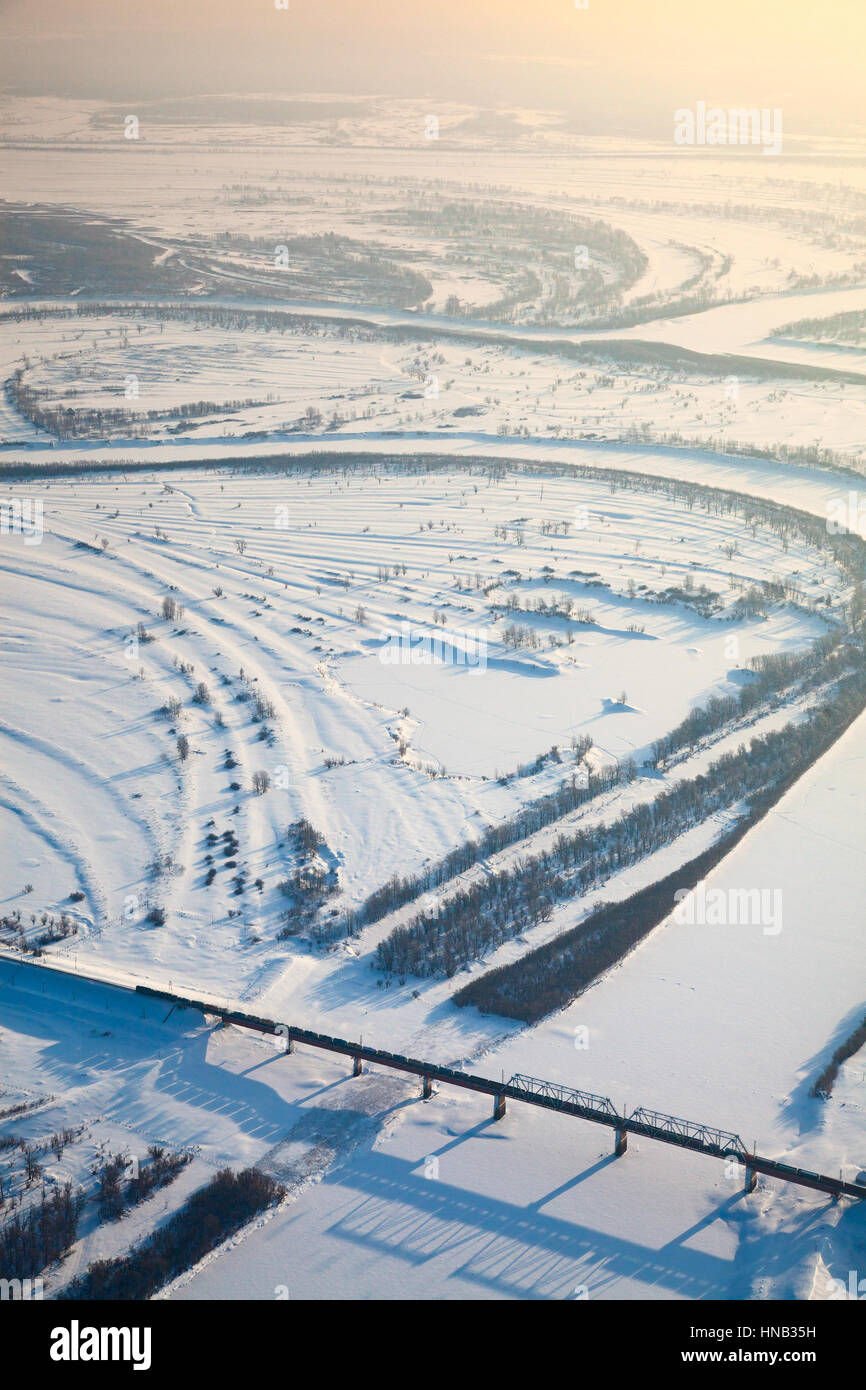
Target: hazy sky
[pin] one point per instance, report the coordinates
(615, 64)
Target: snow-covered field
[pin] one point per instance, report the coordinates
(147, 387)
(364, 619)
(396, 633)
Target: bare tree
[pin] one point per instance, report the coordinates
(171, 610)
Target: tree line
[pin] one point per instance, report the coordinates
(33, 1239)
(225, 1204)
(482, 915)
(773, 673)
(546, 809)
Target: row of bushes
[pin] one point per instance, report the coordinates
(225, 1204)
(823, 1087)
(543, 811)
(114, 1197)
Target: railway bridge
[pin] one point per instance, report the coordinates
(548, 1095)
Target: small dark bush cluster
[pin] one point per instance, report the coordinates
(43, 929)
(311, 883)
(114, 1198)
(307, 837)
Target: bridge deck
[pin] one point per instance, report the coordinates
(650, 1124)
(529, 1090)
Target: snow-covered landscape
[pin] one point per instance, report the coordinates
(433, 542)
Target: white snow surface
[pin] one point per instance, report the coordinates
(293, 585)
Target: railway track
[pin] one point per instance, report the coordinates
(528, 1090)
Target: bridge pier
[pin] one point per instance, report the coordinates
(357, 1066)
(621, 1143)
(751, 1180)
(498, 1107)
(427, 1088)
